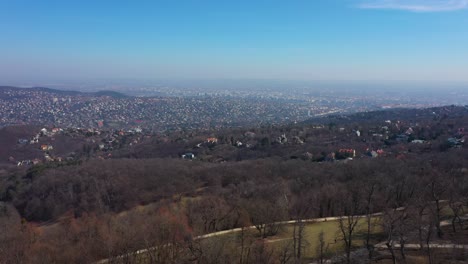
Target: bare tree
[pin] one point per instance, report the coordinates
(428, 238)
(245, 241)
(418, 209)
(262, 254)
(210, 214)
(299, 240)
(403, 228)
(322, 247)
(286, 254)
(16, 236)
(300, 210)
(437, 188)
(369, 193)
(389, 222)
(456, 202)
(350, 208)
(215, 250)
(265, 216)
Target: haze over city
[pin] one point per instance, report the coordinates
(100, 42)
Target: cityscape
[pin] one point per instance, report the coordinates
(174, 111)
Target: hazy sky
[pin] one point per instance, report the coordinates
(286, 39)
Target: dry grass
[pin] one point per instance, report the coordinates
(332, 236)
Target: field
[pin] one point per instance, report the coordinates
(332, 236)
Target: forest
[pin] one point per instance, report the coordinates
(400, 194)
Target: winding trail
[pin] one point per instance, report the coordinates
(236, 230)
(380, 246)
(383, 246)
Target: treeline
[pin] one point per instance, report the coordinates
(94, 202)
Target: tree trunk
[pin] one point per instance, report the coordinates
(392, 252)
(453, 225)
(348, 248)
(437, 223)
(370, 248)
(402, 250)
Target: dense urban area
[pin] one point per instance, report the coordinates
(386, 186)
(173, 111)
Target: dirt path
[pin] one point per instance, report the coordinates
(236, 230)
(383, 246)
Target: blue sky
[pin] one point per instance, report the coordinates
(243, 39)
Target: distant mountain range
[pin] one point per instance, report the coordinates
(112, 94)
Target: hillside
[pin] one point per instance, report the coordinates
(126, 190)
(390, 132)
(44, 106)
(4, 89)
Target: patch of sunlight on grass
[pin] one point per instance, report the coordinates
(332, 236)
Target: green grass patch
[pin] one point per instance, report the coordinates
(284, 238)
(447, 212)
(332, 236)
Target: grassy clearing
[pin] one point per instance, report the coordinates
(332, 236)
(228, 245)
(447, 212)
